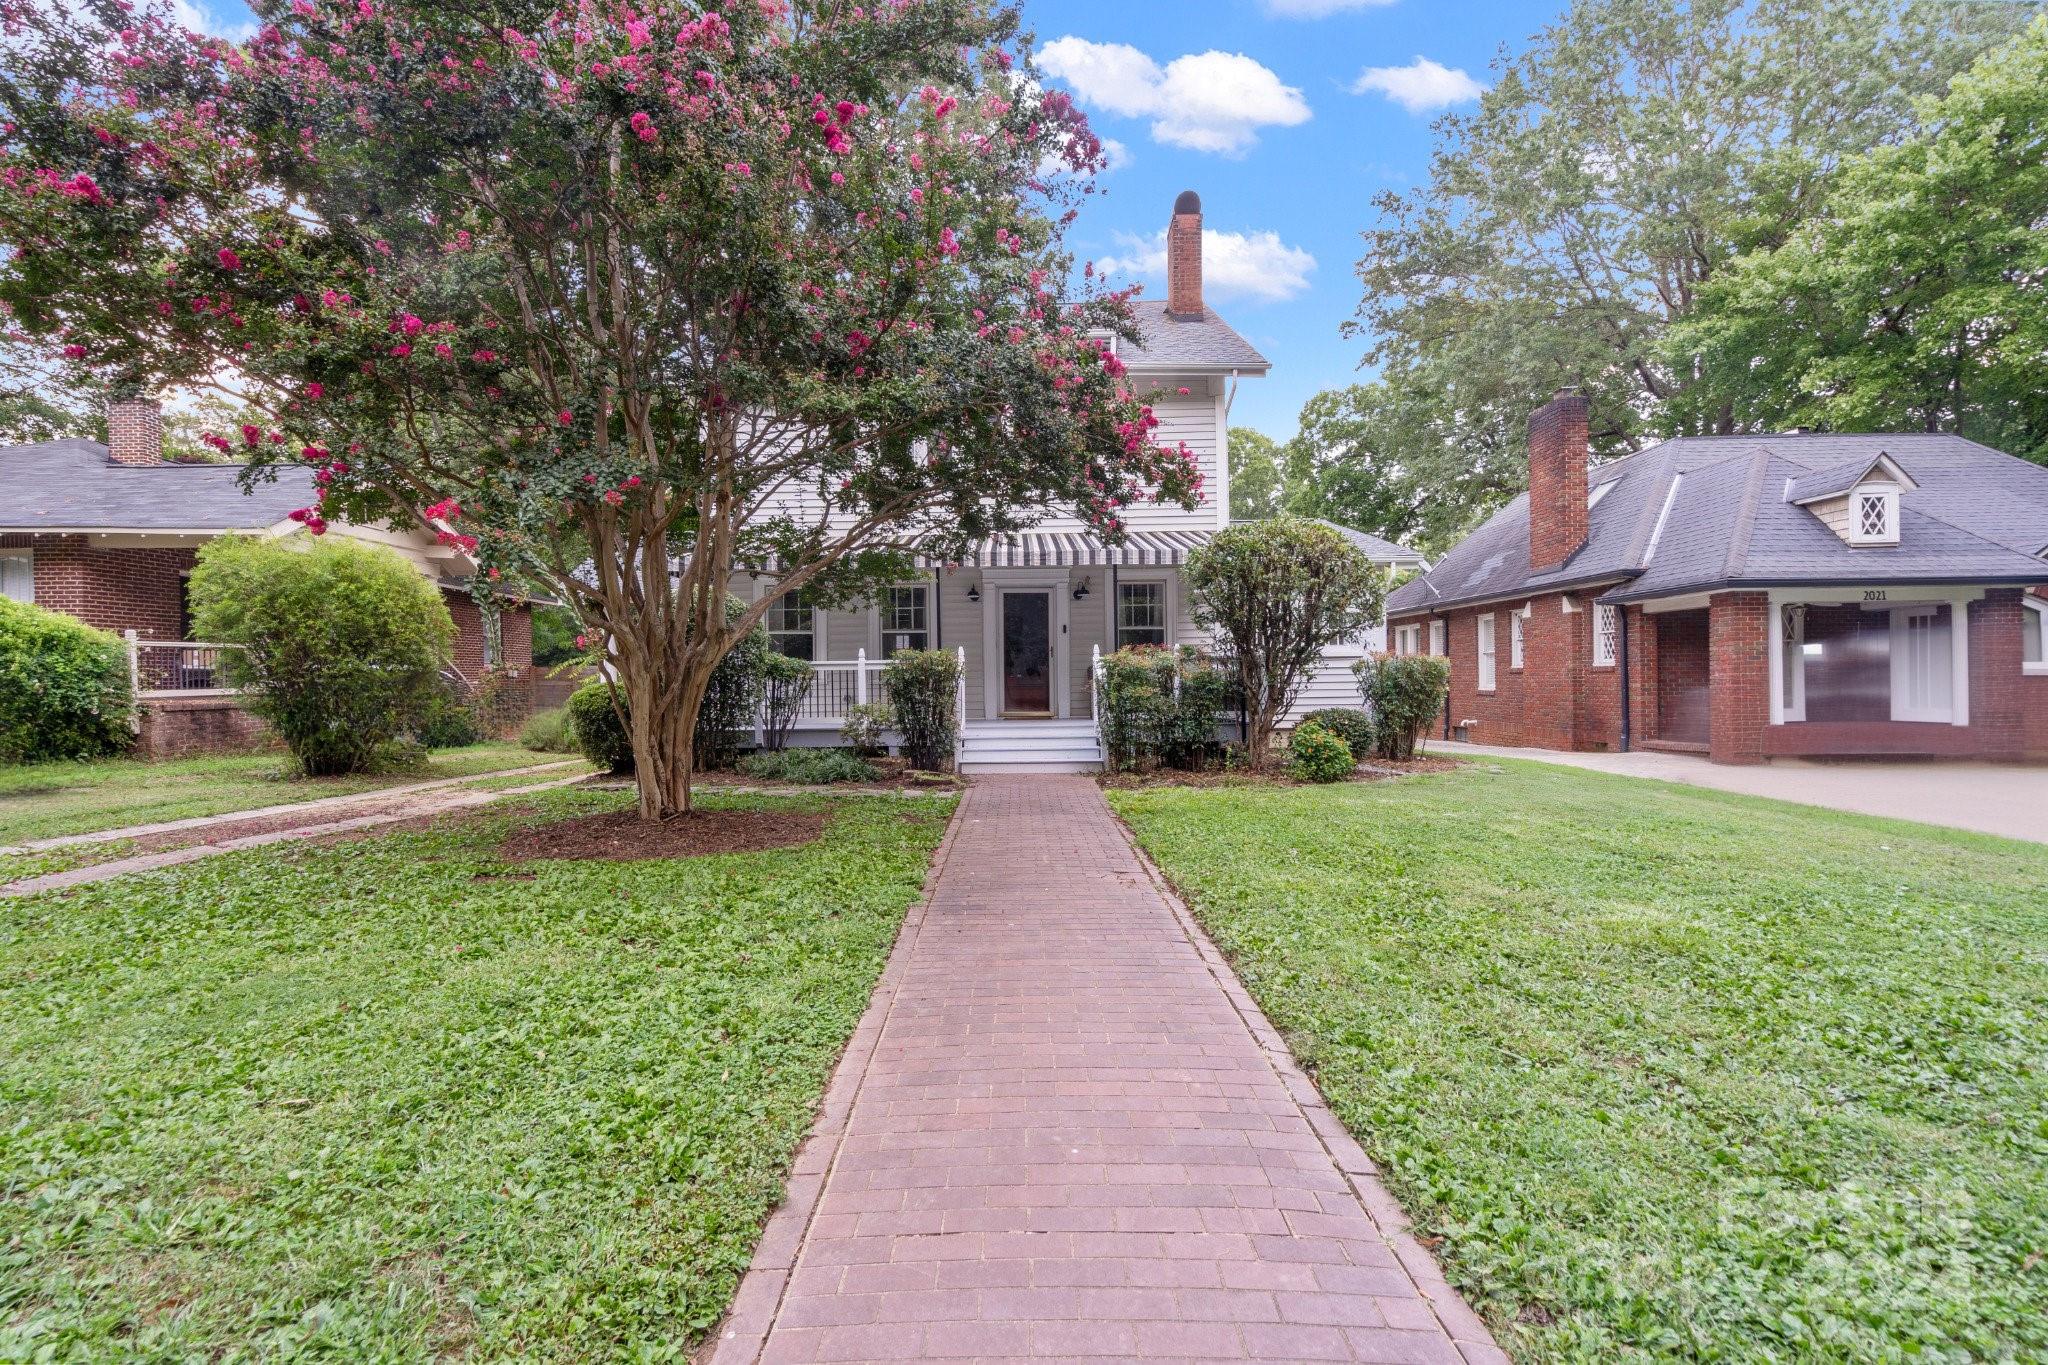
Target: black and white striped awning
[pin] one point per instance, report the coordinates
(1056, 549)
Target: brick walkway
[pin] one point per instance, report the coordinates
(1063, 1130)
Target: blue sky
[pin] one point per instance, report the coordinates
(1258, 106)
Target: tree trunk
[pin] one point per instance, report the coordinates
(663, 706)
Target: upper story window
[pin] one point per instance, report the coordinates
(1874, 514)
(18, 575)
(2033, 635)
(1606, 635)
(793, 626)
(1486, 653)
(1140, 614)
(906, 618)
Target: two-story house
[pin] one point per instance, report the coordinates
(1029, 612)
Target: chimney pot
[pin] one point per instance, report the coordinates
(135, 431)
(1184, 257)
(1558, 453)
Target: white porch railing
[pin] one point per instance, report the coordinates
(838, 684)
(1095, 695)
(177, 668)
(959, 699)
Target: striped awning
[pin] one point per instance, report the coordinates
(1055, 549)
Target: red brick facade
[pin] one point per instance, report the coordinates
(1559, 699)
(1557, 480)
(114, 589)
(1184, 257)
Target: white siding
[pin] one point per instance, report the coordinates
(1331, 684)
(960, 625)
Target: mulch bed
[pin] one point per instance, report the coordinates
(622, 836)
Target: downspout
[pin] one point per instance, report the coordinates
(1623, 661)
(938, 591)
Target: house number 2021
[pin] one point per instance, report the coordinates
(1873, 594)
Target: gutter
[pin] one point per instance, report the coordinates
(1520, 594)
(1756, 584)
(1622, 663)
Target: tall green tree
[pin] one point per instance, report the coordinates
(1257, 485)
(1616, 166)
(1920, 301)
(621, 299)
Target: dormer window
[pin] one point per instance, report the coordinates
(1874, 514)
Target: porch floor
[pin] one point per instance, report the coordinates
(1990, 798)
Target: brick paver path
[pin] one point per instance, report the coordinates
(1064, 1130)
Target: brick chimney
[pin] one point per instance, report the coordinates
(135, 431)
(1184, 257)
(1557, 479)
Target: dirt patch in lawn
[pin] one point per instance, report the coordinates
(622, 836)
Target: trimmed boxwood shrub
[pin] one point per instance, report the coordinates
(64, 689)
(1142, 719)
(342, 643)
(809, 767)
(1354, 727)
(921, 685)
(785, 682)
(1404, 692)
(1316, 755)
(599, 732)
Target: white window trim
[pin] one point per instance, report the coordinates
(1488, 662)
(1165, 585)
(1436, 639)
(818, 637)
(28, 558)
(1603, 614)
(1408, 638)
(1890, 493)
(877, 629)
(2035, 668)
(1516, 651)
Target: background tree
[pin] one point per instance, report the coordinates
(620, 300)
(1920, 301)
(1257, 486)
(1616, 166)
(1277, 593)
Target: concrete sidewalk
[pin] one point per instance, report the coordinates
(1986, 797)
(1064, 1130)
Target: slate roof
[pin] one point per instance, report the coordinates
(72, 485)
(1168, 342)
(1976, 516)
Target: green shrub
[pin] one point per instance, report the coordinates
(599, 732)
(449, 721)
(732, 700)
(1317, 755)
(554, 636)
(864, 726)
(1160, 704)
(549, 732)
(921, 685)
(342, 643)
(1352, 726)
(809, 767)
(1404, 692)
(785, 682)
(63, 687)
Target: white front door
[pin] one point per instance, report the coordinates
(1923, 659)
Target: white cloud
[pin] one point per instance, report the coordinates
(1319, 9)
(1420, 86)
(200, 19)
(1247, 265)
(1207, 101)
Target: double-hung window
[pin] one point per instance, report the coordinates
(1486, 653)
(2033, 635)
(1606, 635)
(18, 575)
(1436, 638)
(793, 626)
(1140, 614)
(906, 618)
(1408, 639)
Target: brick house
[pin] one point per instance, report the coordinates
(109, 534)
(1749, 597)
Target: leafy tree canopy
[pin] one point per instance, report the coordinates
(1257, 483)
(619, 299)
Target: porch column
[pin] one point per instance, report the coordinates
(1741, 639)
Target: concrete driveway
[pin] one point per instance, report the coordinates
(1989, 798)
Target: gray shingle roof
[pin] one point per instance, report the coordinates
(1375, 548)
(1206, 342)
(1976, 516)
(72, 485)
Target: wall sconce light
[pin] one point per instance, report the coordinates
(1081, 592)
(974, 592)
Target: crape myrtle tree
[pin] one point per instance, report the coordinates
(619, 299)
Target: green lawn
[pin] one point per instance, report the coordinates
(1669, 1072)
(46, 800)
(386, 1101)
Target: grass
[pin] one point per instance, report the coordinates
(389, 1101)
(48, 800)
(1669, 1073)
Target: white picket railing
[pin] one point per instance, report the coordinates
(177, 668)
(1095, 695)
(959, 698)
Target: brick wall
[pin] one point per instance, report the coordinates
(1739, 677)
(114, 589)
(1556, 700)
(179, 727)
(1557, 479)
(515, 634)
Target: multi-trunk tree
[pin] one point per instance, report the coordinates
(619, 298)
